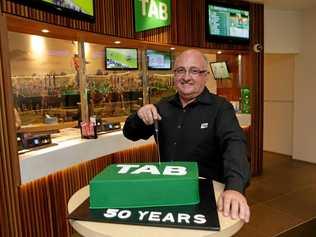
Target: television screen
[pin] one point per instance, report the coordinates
(219, 70)
(158, 60)
(227, 23)
(119, 58)
(82, 9)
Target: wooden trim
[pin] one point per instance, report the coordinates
(81, 73)
(9, 165)
(256, 139)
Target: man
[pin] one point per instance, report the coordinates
(195, 125)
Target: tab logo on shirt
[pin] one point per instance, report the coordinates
(204, 125)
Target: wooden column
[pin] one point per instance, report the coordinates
(83, 82)
(10, 224)
(256, 57)
(144, 76)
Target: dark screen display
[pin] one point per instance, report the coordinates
(158, 60)
(227, 22)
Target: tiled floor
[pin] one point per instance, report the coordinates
(284, 196)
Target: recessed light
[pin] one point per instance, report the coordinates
(45, 31)
(117, 42)
(219, 52)
(172, 48)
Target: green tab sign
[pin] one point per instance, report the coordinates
(150, 14)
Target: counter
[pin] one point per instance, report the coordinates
(69, 149)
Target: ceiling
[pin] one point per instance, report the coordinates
(294, 5)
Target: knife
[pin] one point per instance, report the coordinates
(157, 139)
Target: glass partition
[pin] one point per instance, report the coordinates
(46, 78)
(44, 81)
(160, 86)
(115, 93)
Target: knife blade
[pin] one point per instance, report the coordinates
(157, 139)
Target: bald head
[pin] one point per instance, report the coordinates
(193, 55)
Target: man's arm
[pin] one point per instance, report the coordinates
(233, 148)
(140, 125)
(236, 168)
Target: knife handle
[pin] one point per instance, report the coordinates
(156, 126)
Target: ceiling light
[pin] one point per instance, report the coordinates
(117, 42)
(219, 52)
(172, 48)
(45, 31)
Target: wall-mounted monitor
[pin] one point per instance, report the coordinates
(219, 70)
(80, 9)
(158, 60)
(227, 22)
(120, 58)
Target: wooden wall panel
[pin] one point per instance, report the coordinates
(115, 18)
(43, 203)
(10, 223)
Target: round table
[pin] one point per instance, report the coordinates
(95, 229)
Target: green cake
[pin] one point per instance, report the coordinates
(145, 185)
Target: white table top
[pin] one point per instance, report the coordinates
(96, 229)
(72, 150)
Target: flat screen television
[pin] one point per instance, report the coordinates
(158, 60)
(120, 58)
(227, 22)
(80, 9)
(220, 70)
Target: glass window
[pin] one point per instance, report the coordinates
(160, 86)
(44, 81)
(114, 93)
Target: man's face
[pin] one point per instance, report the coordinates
(190, 74)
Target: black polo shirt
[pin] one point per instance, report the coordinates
(206, 131)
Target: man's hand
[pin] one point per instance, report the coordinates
(234, 204)
(148, 113)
